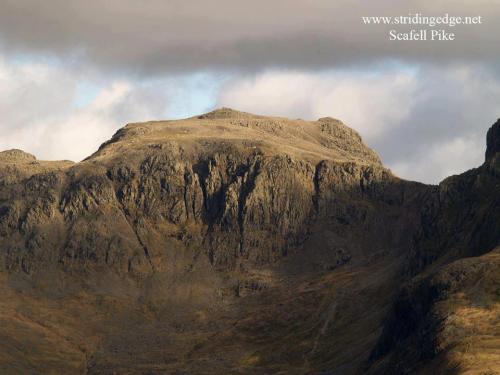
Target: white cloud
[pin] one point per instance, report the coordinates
(426, 124)
(39, 114)
(369, 102)
(443, 159)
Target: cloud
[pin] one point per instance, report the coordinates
(39, 114)
(72, 72)
(158, 36)
(425, 123)
(442, 159)
(373, 102)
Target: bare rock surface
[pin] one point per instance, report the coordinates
(236, 243)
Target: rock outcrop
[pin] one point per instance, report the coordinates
(232, 243)
(493, 141)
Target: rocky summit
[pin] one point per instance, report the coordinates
(231, 243)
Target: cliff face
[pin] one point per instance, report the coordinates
(232, 193)
(446, 315)
(225, 243)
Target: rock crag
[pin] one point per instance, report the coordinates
(236, 243)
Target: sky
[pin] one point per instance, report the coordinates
(73, 72)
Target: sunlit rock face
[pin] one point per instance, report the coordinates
(237, 243)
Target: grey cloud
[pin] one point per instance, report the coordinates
(426, 125)
(155, 36)
(457, 102)
(425, 128)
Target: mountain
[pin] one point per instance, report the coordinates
(231, 243)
